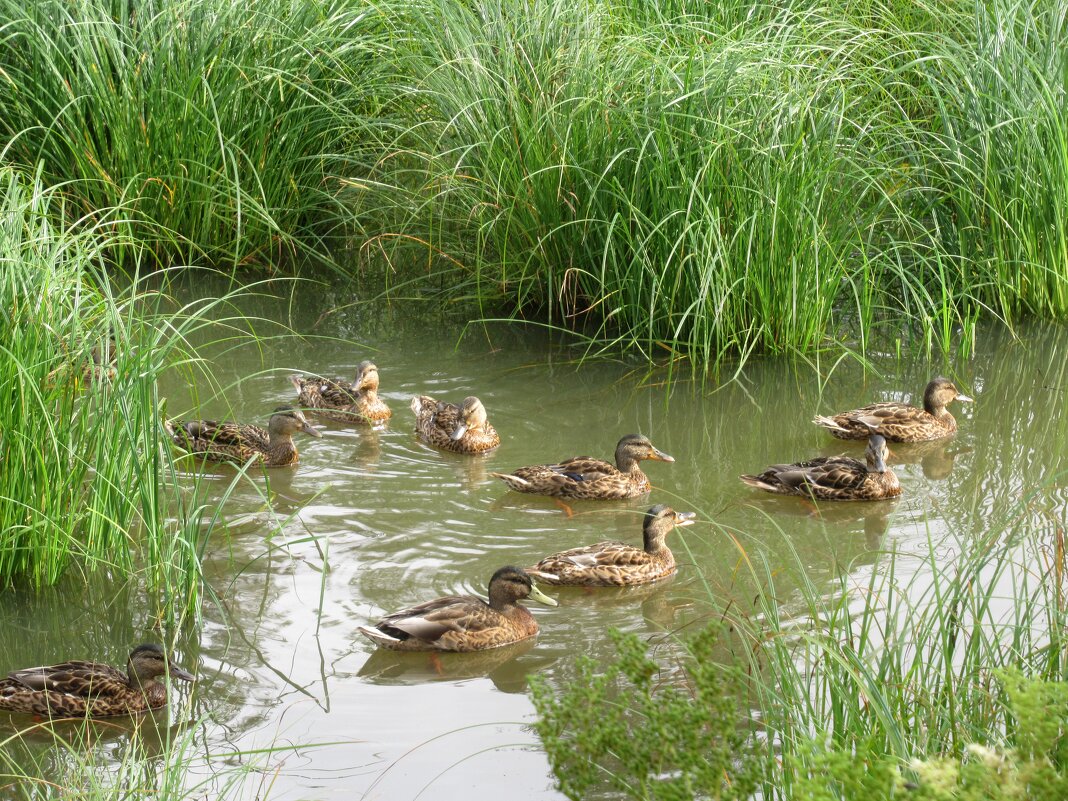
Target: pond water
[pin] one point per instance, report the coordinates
(373, 520)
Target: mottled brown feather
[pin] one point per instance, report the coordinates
(354, 401)
(586, 477)
(833, 478)
(463, 622)
(897, 421)
(612, 563)
(437, 421)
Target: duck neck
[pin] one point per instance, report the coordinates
(281, 449)
(933, 407)
(626, 463)
(502, 602)
(654, 540)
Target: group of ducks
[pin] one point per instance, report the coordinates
(467, 623)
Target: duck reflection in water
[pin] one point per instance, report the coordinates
(499, 665)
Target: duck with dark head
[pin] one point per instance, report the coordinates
(90, 689)
(464, 622)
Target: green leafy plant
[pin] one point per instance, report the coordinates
(647, 734)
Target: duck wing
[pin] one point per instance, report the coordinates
(226, 435)
(584, 468)
(835, 473)
(84, 679)
(430, 621)
(597, 555)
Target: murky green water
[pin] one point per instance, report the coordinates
(372, 521)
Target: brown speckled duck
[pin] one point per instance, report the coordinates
(91, 689)
(899, 422)
(834, 478)
(464, 622)
(337, 399)
(616, 564)
(461, 429)
(238, 442)
(585, 477)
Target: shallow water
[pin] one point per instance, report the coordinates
(373, 520)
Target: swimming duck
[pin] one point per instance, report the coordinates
(237, 442)
(899, 422)
(616, 564)
(461, 429)
(463, 622)
(834, 478)
(91, 689)
(337, 399)
(585, 477)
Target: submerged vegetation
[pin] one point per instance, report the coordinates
(695, 179)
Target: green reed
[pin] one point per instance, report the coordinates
(220, 125)
(122, 761)
(88, 479)
(689, 184)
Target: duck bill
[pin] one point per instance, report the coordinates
(312, 432)
(540, 597)
(660, 456)
(965, 398)
(685, 518)
(459, 432)
(176, 672)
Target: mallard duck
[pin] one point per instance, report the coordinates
(238, 442)
(897, 421)
(616, 564)
(585, 477)
(834, 478)
(91, 689)
(99, 367)
(461, 429)
(337, 399)
(463, 622)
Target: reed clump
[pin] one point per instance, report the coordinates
(88, 481)
(678, 179)
(221, 127)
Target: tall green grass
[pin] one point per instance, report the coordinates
(689, 179)
(221, 126)
(88, 480)
(1002, 137)
(692, 184)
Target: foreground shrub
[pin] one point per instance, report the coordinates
(625, 728)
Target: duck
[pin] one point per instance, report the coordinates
(616, 564)
(464, 623)
(898, 421)
(834, 478)
(337, 399)
(90, 689)
(460, 429)
(240, 442)
(585, 477)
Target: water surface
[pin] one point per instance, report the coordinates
(373, 520)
